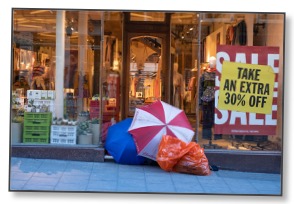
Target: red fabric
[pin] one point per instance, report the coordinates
(181, 120)
(155, 109)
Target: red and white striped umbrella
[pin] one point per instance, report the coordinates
(152, 121)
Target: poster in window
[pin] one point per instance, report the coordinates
(246, 90)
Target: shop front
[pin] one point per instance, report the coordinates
(75, 73)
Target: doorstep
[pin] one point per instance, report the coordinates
(88, 153)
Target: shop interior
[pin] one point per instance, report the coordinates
(125, 68)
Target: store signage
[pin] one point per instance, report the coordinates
(246, 90)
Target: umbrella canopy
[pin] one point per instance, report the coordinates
(120, 144)
(153, 121)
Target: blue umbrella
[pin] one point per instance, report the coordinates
(120, 144)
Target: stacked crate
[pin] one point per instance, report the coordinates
(63, 134)
(37, 127)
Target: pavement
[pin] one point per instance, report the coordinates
(28, 174)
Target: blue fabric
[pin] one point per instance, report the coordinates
(120, 144)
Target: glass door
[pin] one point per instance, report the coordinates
(144, 71)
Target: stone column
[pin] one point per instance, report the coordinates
(60, 50)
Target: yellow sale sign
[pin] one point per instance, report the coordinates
(246, 87)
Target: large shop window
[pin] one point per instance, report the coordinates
(231, 65)
(65, 76)
(225, 70)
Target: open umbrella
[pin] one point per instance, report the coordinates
(120, 144)
(153, 121)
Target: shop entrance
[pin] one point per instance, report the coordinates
(146, 67)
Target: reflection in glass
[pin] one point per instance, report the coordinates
(145, 71)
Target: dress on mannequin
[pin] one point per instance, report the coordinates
(178, 87)
(207, 83)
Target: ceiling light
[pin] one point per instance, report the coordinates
(39, 11)
(141, 15)
(30, 26)
(47, 35)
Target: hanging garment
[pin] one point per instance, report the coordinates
(157, 88)
(112, 82)
(178, 90)
(242, 33)
(229, 35)
(191, 84)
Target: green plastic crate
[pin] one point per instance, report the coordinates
(37, 127)
(37, 119)
(36, 136)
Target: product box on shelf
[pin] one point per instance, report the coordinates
(37, 94)
(44, 94)
(50, 94)
(30, 94)
(34, 94)
(49, 103)
(63, 134)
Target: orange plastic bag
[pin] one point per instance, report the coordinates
(170, 151)
(176, 155)
(194, 161)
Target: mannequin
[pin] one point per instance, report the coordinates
(212, 63)
(178, 87)
(207, 83)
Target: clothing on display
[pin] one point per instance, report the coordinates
(206, 89)
(178, 87)
(237, 35)
(192, 83)
(112, 84)
(206, 101)
(192, 86)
